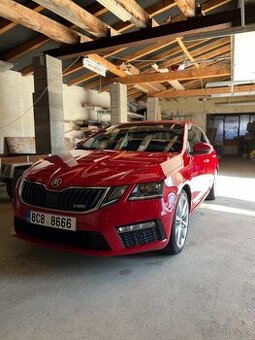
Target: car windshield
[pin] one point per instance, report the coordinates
(141, 137)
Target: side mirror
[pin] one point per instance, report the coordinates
(202, 149)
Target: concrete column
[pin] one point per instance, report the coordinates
(118, 94)
(153, 109)
(48, 105)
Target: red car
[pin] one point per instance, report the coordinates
(127, 189)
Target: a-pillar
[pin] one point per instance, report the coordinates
(153, 109)
(118, 94)
(48, 105)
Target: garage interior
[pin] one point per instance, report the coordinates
(68, 68)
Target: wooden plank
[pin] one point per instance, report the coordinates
(177, 75)
(162, 34)
(186, 52)
(205, 92)
(188, 7)
(176, 85)
(20, 14)
(40, 40)
(176, 60)
(77, 15)
(160, 7)
(25, 48)
(198, 51)
(138, 15)
(6, 25)
(211, 5)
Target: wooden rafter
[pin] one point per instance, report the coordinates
(6, 25)
(96, 10)
(40, 40)
(25, 48)
(187, 7)
(186, 52)
(127, 11)
(160, 7)
(163, 33)
(214, 49)
(77, 15)
(139, 14)
(171, 53)
(213, 4)
(172, 59)
(48, 27)
(27, 17)
(178, 75)
(205, 92)
(197, 52)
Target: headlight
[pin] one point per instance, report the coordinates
(147, 190)
(114, 195)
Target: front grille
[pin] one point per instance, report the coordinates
(72, 199)
(81, 239)
(140, 237)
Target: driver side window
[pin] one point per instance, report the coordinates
(193, 137)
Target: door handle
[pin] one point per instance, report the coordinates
(206, 160)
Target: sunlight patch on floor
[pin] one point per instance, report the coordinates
(236, 187)
(225, 209)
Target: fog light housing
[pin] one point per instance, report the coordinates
(135, 227)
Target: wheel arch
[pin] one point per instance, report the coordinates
(187, 189)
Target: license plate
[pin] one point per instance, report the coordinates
(51, 220)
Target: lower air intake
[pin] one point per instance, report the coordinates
(80, 239)
(140, 237)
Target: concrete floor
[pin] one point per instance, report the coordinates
(207, 292)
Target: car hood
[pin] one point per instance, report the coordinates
(102, 168)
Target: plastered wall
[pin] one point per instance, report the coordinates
(16, 101)
(199, 109)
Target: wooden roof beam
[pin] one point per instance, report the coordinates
(52, 29)
(205, 92)
(213, 4)
(162, 34)
(22, 15)
(187, 7)
(77, 15)
(25, 48)
(186, 52)
(176, 75)
(127, 11)
(6, 25)
(40, 39)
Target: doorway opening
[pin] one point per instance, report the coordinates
(231, 133)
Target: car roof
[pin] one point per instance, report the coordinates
(151, 122)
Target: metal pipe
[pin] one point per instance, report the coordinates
(242, 7)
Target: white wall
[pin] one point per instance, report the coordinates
(16, 99)
(199, 109)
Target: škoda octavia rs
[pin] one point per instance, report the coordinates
(129, 188)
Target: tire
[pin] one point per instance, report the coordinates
(212, 193)
(179, 227)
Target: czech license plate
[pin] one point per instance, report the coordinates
(51, 220)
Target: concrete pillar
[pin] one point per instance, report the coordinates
(48, 105)
(153, 109)
(118, 94)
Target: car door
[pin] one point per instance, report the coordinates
(194, 167)
(204, 165)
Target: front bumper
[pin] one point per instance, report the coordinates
(97, 231)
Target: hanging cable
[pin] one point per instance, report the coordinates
(43, 92)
